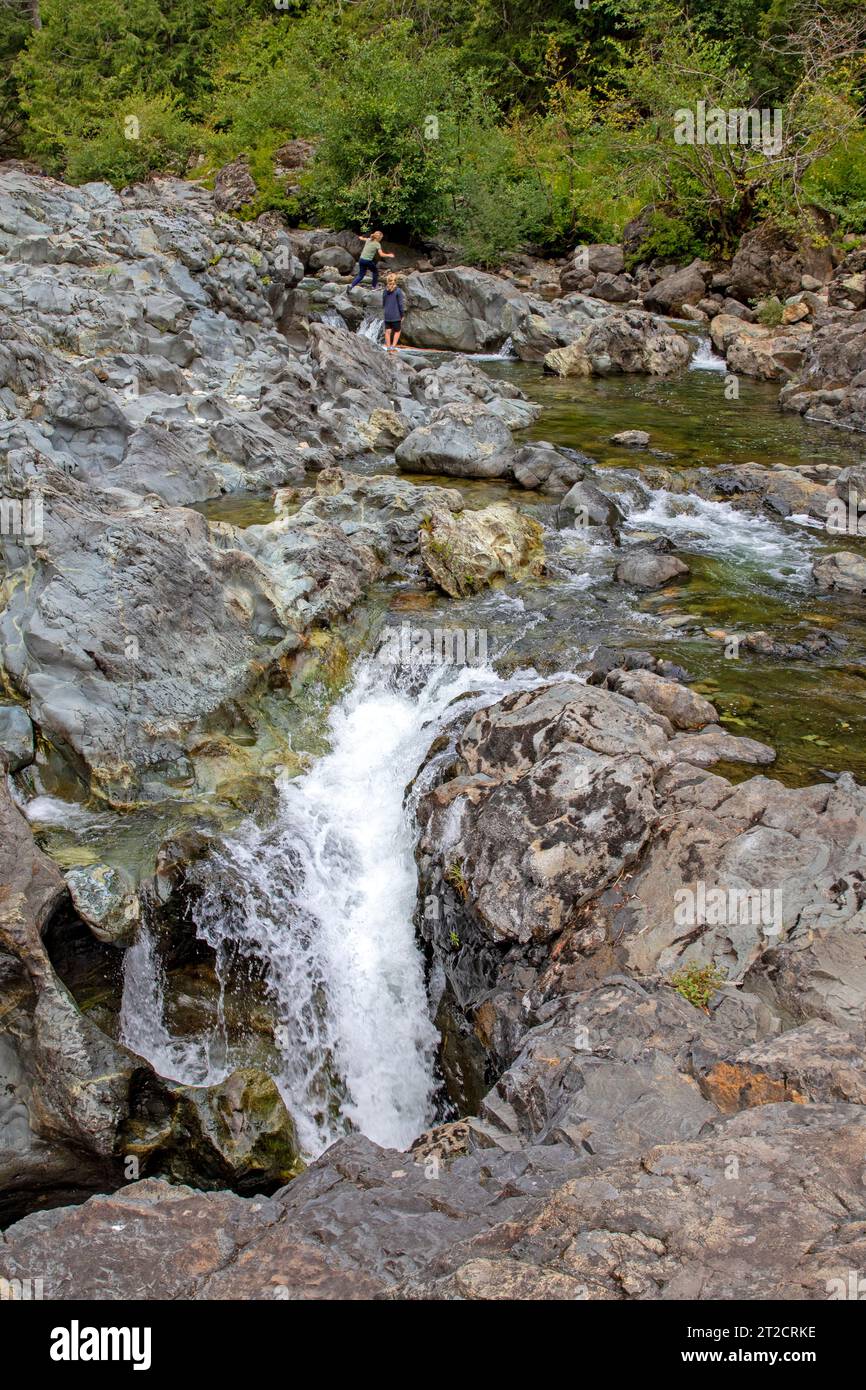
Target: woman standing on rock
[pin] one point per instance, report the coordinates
(372, 249)
(393, 309)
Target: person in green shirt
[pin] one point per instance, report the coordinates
(370, 253)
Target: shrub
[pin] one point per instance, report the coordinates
(769, 311)
(698, 984)
(149, 136)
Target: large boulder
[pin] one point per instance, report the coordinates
(234, 186)
(462, 310)
(770, 261)
(17, 748)
(831, 383)
(623, 342)
(843, 570)
(541, 467)
(460, 441)
(672, 292)
(647, 570)
(463, 553)
(80, 1111)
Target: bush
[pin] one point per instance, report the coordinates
(838, 183)
(769, 311)
(698, 984)
(669, 238)
(149, 137)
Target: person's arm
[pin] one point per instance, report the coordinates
(401, 300)
(387, 255)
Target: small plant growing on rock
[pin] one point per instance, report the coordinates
(456, 877)
(698, 984)
(454, 939)
(770, 311)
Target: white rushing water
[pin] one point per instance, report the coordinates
(706, 359)
(716, 528)
(372, 326)
(324, 897)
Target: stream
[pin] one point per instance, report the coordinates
(321, 894)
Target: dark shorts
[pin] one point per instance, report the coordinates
(394, 325)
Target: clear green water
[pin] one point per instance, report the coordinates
(687, 416)
(745, 575)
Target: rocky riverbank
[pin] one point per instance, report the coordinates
(646, 960)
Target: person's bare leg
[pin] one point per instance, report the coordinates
(395, 338)
(388, 339)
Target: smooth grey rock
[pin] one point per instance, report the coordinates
(17, 746)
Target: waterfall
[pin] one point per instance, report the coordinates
(333, 319)
(143, 1028)
(372, 326)
(705, 358)
(324, 898)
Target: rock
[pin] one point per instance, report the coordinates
(462, 310)
(812, 646)
(782, 490)
(234, 186)
(17, 747)
(644, 570)
(235, 1133)
(631, 439)
(107, 902)
(603, 258)
(831, 383)
(293, 155)
(848, 291)
(627, 342)
(460, 442)
(464, 553)
(816, 1062)
(758, 838)
(531, 816)
(72, 1097)
(842, 570)
(770, 261)
(586, 505)
(795, 313)
(734, 309)
(774, 357)
(616, 289)
(335, 256)
(676, 702)
(106, 677)
(536, 1226)
(540, 467)
(669, 295)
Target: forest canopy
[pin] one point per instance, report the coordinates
(497, 124)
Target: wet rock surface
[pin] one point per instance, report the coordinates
(649, 978)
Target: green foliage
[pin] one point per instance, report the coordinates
(90, 57)
(150, 137)
(838, 183)
(670, 239)
(698, 984)
(384, 152)
(497, 124)
(456, 876)
(769, 311)
(15, 29)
